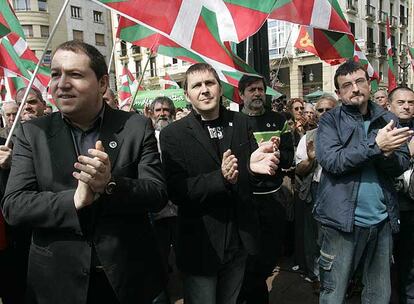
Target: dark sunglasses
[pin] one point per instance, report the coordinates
(321, 110)
(297, 108)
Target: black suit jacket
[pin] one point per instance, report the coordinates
(40, 194)
(196, 185)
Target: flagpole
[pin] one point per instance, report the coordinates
(284, 52)
(112, 56)
(32, 79)
(140, 81)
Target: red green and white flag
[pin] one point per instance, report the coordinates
(4, 29)
(359, 56)
(3, 90)
(392, 79)
(128, 87)
(187, 21)
(16, 59)
(322, 14)
(332, 47)
(411, 52)
(169, 83)
(219, 55)
(8, 20)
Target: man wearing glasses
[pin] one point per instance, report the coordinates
(360, 147)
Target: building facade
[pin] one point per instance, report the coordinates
(82, 20)
(299, 73)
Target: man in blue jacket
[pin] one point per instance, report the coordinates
(361, 148)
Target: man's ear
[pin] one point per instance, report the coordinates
(103, 84)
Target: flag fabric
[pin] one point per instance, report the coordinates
(8, 20)
(332, 47)
(411, 52)
(17, 58)
(169, 83)
(3, 90)
(4, 29)
(229, 66)
(359, 56)
(124, 91)
(392, 79)
(187, 21)
(322, 14)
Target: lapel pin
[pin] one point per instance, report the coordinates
(113, 144)
(230, 124)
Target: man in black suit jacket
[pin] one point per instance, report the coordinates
(211, 160)
(84, 179)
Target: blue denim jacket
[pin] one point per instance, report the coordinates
(342, 149)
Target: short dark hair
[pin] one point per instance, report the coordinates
(247, 80)
(163, 100)
(200, 67)
(33, 90)
(348, 67)
(397, 89)
(97, 60)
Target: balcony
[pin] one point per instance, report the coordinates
(381, 17)
(369, 12)
(393, 22)
(371, 50)
(381, 51)
(351, 7)
(403, 21)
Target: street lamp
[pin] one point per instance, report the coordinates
(403, 64)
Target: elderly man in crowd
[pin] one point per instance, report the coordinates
(270, 207)
(381, 98)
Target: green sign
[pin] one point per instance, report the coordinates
(146, 97)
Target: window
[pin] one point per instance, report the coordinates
(136, 49)
(44, 31)
(99, 39)
(175, 61)
(28, 30)
(47, 59)
(42, 5)
(21, 5)
(77, 35)
(352, 26)
(123, 48)
(138, 69)
(153, 67)
(76, 12)
(97, 17)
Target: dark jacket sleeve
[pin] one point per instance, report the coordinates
(147, 192)
(332, 151)
(24, 204)
(183, 188)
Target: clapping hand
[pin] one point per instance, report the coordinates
(229, 167)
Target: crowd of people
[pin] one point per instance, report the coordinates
(94, 199)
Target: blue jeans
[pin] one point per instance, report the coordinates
(221, 288)
(342, 252)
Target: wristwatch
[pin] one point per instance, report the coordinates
(110, 187)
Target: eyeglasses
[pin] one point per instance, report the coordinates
(360, 82)
(297, 108)
(321, 110)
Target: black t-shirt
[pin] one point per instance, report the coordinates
(215, 131)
